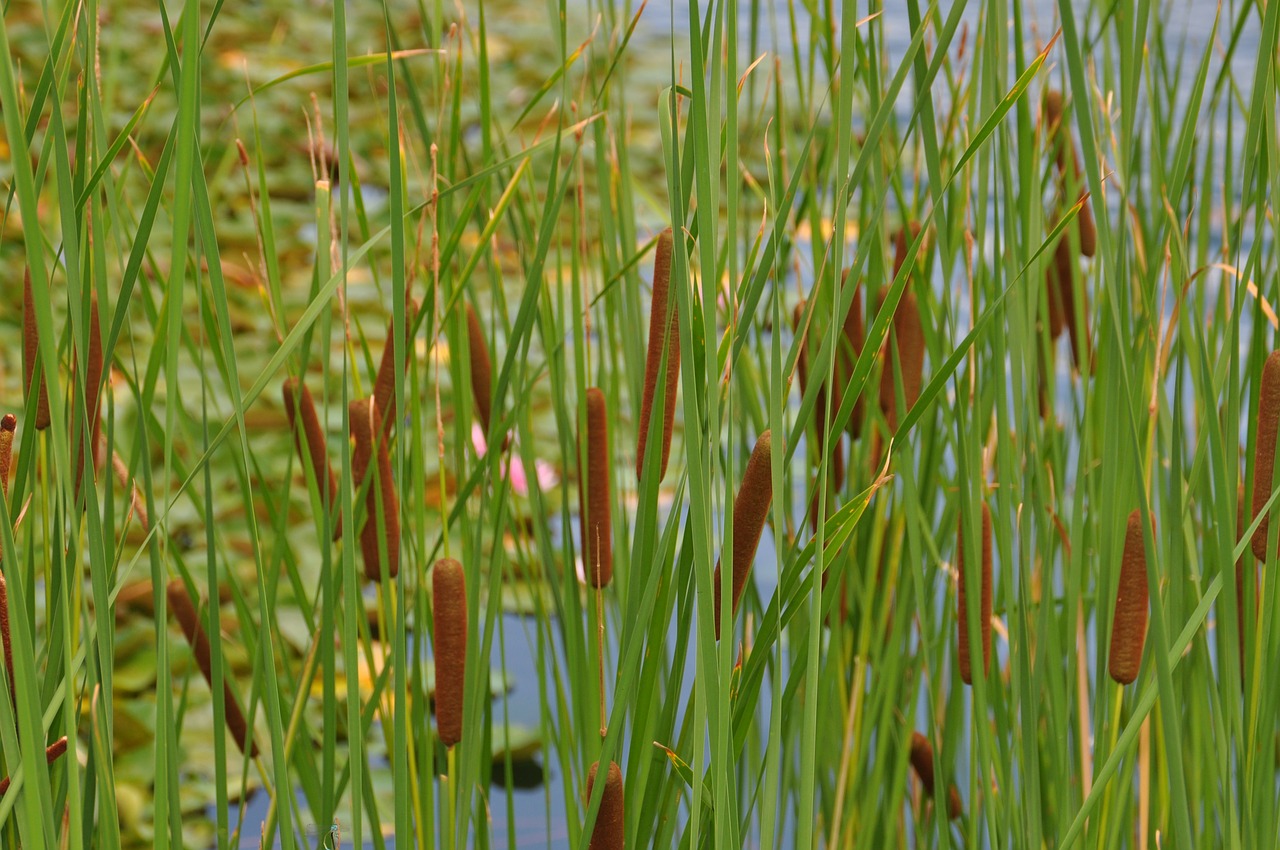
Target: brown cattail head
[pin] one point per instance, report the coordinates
(380, 498)
(51, 754)
(8, 425)
(1064, 151)
(1058, 287)
(609, 831)
(30, 351)
(384, 388)
(1129, 625)
(902, 242)
(1078, 331)
(1264, 452)
(820, 405)
(185, 612)
(750, 510)
(298, 404)
(922, 761)
(906, 334)
(855, 337)
(984, 607)
(658, 309)
(93, 413)
(4, 633)
(481, 370)
(1053, 125)
(593, 495)
(449, 610)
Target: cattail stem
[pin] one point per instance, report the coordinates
(481, 369)
(750, 510)
(8, 425)
(185, 612)
(658, 329)
(1129, 625)
(984, 605)
(298, 404)
(51, 754)
(449, 611)
(609, 832)
(384, 388)
(382, 507)
(33, 381)
(1264, 450)
(593, 494)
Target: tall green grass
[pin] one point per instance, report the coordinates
(258, 194)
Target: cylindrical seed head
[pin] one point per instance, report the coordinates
(384, 388)
(609, 832)
(4, 633)
(1129, 625)
(380, 499)
(93, 415)
(299, 404)
(449, 610)
(8, 425)
(481, 369)
(1264, 452)
(30, 351)
(855, 336)
(907, 335)
(593, 495)
(658, 309)
(984, 607)
(750, 510)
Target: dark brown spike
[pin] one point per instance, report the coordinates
(30, 351)
(298, 403)
(51, 754)
(1058, 134)
(820, 403)
(984, 605)
(659, 305)
(4, 634)
(855, 337)
(8, 425)
(907, 334)
(92, 383)
(380, 498)
(750, 510)
(481, 369)
(593, 495)
(1058, 287)
(384, 388)
(922, 761)
(901, 244)
(185, 611)
(610, 828)
(449, 611)
(1129, 624)
(1081, 347)
(1264, 452)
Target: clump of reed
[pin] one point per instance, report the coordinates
(593, 494)
(837, 450)
(51, 754)
(609, 832)
(750, 510)
(659, 306)
(481, 369)
(381, 502)
(984, 606)
(449, 613)
(92, 413)
(304, 422)
(1264, 450)
(1129, 623)
(32, 381)
(384, 388)
(8, 425)
(184, 610)
(922, 764)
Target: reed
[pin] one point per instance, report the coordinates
(481, 369)
(984, 606)
(922, 764)
(384, 388)
(1264, 452)
(380, 499)
(609, 832)
(304, 423)
(855, 335)
(1129, 623)
(750, 510)
(593, 494)
(91, 412)
(449, 613)
(30, 353)
(8, 425)
(1064, 147)
(185, 611)
(659, 306)
(51, 754)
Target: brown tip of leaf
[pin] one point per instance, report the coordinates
(1129, 625)
(449, 611)
(750, 510)
(299, 403)
(658, 329)
(593, 494)
(381, 502)
(984, 605)
(609, 831)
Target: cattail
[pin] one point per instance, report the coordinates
(658, 308)
(384, 388)
(1069, 167)
(449, 610)
(922, 764)
(4, 634)
(984, 607)
(1058, 287)
(750, 509)
(380, 499)
(92, 381)
(855, 336)
(185, 611)
(51, 754)
(298, 401)
(820, 404)
(30, 351)
(481, 370)
(1081, 347)
(906, 335)
(1129, 625)
(901, 243)
(1264, 452)
(593, 495)
(609, 830)
(8, 425)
